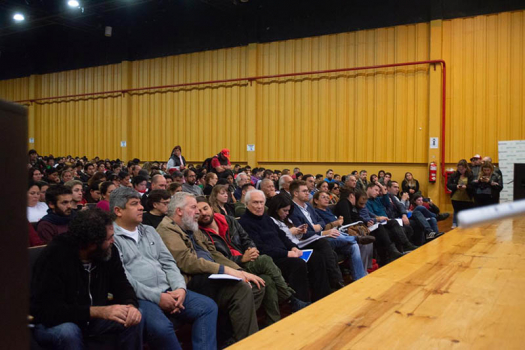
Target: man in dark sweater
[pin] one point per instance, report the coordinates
(70, 285)
(59, 200)
(272, 241)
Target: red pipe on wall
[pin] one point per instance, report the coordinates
(251, 79)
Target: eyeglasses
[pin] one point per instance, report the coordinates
(336, 188)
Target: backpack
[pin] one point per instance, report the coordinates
(207, 164)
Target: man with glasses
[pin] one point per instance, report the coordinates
(157, 203)
(190, 186)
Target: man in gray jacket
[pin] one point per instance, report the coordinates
(156, 279)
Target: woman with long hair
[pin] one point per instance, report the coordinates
(487, 186)
(460, 184)
(409, 184)
(35, 175)
(211, 180)
(279, 209)
(219, 200)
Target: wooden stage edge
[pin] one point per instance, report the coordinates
(464, 290)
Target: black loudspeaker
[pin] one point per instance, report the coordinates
(14, 271)
(519, 181)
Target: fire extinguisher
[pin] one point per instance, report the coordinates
(432, 173)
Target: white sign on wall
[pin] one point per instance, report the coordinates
(122, 143)
(434, 142)
(510, 152)
(31, 140)
(250, 148)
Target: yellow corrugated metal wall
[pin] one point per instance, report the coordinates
(80, 126)
(201, 119)
(365, 117)
(486, 83)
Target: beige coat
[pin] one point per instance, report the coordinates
(181, 247)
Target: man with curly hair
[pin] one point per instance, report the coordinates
(70, 286)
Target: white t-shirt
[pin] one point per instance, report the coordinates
(34, 214)
(132, 234)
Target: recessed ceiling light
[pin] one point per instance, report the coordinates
(18, 17)
(73, 3)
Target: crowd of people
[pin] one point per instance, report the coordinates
(174, 243)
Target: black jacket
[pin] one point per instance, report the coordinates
(452, 183)
(345, 209)
(63, 291)
(236, 237)
(495, 190)
(268, 237)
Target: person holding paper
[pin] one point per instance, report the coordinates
(354, 209)
(156, 279)
(233, 242)
(359, 232)
(272, 241)
(197, 259)
(279, 210)
(347, 246)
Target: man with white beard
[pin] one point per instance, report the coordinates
(197, 259)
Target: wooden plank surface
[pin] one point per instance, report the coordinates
(464, 290)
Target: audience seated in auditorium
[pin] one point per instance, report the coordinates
(233, 242)
(376, 208)
(272, 241)
(158, 182)
(284, 184)
(423, 229)
(105, 192)
(70, 285)
(351, 182)
(387, 249)
(329, 176)
(347, 246)
(89, 170)
(59, 214)
(240, 205)
(52, 176)
(35, 175)
(211, 180)
(219, 200)
(310, 184)
(334, 189)
(280, 210)
(268, 188)
(125, 179)
(241, 179)
(417, 207)
(36, 210)
(410, 185)
(77, 201)
(362, 182)
(140, 184)
(174, 187)
(43, 189)
(189, 186)
(156, 279)
(157, 205)
(197, 258)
